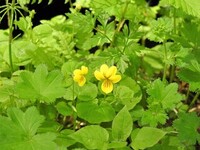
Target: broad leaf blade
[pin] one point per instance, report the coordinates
(19, 131)
(122, 125)
(191, 7)
(146, 137)
(94, 113)
(40, 85)
(92, 137)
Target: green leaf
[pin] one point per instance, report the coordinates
(117, 144)
(95, 113)
(146, 137)
(63, 138)
(128, 92)
(187, 125)
(191, 74)
(6, 89)
(19, 131)
(88, 92)
(153, 115)
(92, 137)
(64, 109)
(167, 96)
(26, 121)
(40, 85)
(188, 6)
(122, 125)
(160, 29)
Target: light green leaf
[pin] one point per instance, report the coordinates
(153, 115)
(146, 137)
(6, 89)
(26, 121)
(128, 92)
(166, 95)
(92, 137)
(64, 109)
(88, 92)
(95, 113)
(117, 144)
(63, 138)
(122, 125)
(19, 131)
(188, 6)
(40, 85)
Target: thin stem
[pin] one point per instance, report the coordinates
(71, 4)
(103, 34)
(74, 108)
(10, 24)
(172, 73)
(121, 22)
(173, 68)
(187, 94)
(165, 63)
(6, 12)
(195, 98)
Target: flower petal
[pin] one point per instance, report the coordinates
(111, 71)
(84, 70)
(98, 75)
(115, 78)
(103, 69)
(82, 81)
(107, 86)
(77, 72)
(76, 77)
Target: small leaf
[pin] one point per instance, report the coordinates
(146, 137)
(122, 125)
(92, 137)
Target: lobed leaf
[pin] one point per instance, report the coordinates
(40, 85)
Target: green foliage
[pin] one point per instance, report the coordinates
(94, 113)
(190, 74)
(146, 137)
(40, 85)
(92, 137)
(189, 7)
(166, 96)
(122, 125)
(19, 131)
(154, 97)
(189, 130)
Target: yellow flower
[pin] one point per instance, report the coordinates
(108, 76)
(79, 75)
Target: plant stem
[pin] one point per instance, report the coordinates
(173, 68)
(172, 73)
(195, 98)
(10, 14)
(74, 109)
(121, 22)
(165, 63)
